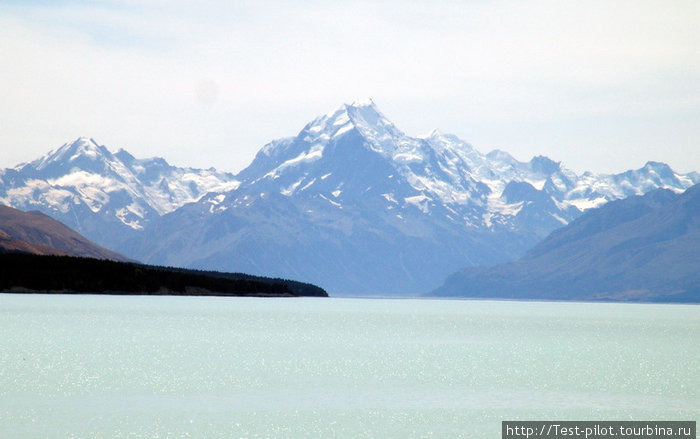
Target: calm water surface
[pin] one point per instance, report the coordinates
(186, 367)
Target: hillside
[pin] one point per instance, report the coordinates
(642, 248)
(34, 232)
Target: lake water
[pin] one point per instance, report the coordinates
(195, 367)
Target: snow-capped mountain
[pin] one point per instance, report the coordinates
(356, 205)
(105, 196)
(351, 203)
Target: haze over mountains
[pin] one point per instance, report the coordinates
(350, 203)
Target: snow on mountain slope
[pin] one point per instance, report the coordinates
(103, 194)
(356, 205)
(478, 190)
(325, 159)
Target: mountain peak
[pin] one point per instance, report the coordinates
(544, 165)
(362, 115)
(80, 148)
(443, 137)
(360, 103)
(87, 146)
(658, 167)
(82, 144)
(500, 155)
(373, 125)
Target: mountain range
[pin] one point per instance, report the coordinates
(105, 196)
(350, 203)
(640, 248)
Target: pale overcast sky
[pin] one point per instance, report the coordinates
(600, 85)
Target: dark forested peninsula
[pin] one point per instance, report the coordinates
(27, 273)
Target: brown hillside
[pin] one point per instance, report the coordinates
(34, 232)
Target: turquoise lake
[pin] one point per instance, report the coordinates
(195, 367)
